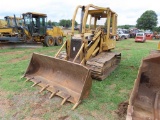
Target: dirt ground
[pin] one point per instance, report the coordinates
(25, 104)
(35, 106)
(19, 59)
(122, 109)
(5, 104)
(10, 53)
(32, 105)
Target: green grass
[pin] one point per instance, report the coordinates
(105, 95)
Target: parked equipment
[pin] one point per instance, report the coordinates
(34, 31)
(140, 37)
(149, 36)
(68, 75)
(11, 21)
(156, 35)
(144, 102)
(8, 28)
(123, 35)
(3, 23)
(133, 32)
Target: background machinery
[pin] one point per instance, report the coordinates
(86, 54)
(3, 23)
(8, 28)
(9, 21)
(33, 30)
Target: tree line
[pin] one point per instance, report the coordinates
(63, 22)
(147, 21)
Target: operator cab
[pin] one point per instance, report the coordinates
(94, 21)
(35, 23)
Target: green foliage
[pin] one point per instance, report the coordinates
(55, 23)
(76, 23)
(105, 24)
(148, 20)
(66, 23)
(157, 29)
(87, 26)
(50, 23)
(126, 26)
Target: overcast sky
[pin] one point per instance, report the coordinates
(128, 10)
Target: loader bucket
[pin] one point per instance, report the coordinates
(66, 79)
(144, 103)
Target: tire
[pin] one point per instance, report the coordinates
(123, 37)
(49, 41)
(59, 40)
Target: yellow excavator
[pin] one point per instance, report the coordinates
(144, 102)
(32, 30)
(87, 54)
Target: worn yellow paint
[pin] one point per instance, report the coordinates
(159, 46)
(55, 32)
(99, 40)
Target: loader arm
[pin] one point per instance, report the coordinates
(69, 73)
(92, 49)
(74, 17)
(92, 45)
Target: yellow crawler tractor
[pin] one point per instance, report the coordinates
(86, 54)
(32, 30)
(144, 102)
